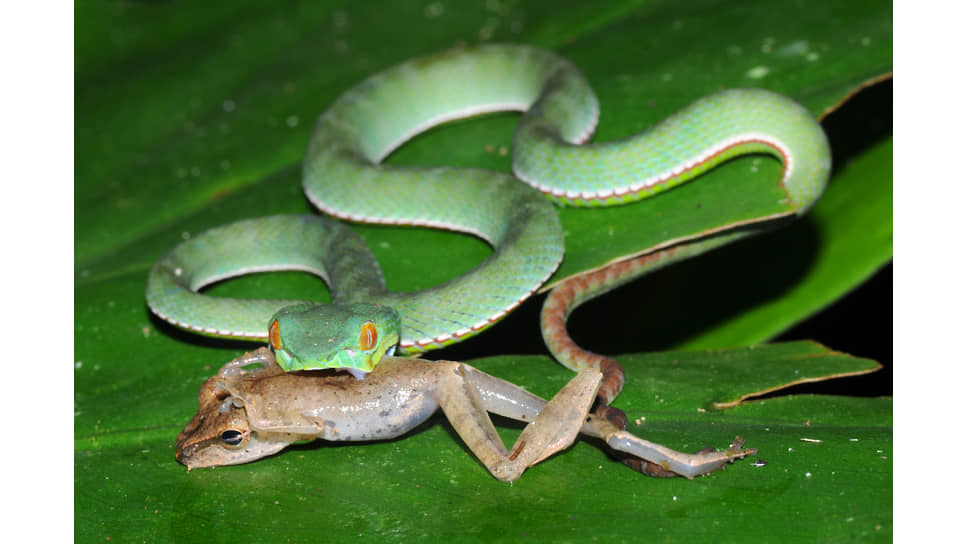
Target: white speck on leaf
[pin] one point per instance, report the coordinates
(757, 72)
(798, 47)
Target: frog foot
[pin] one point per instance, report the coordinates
(661, 470)
(239, 367)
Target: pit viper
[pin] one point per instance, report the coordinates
(343, 176)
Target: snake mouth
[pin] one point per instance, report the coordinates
(288, 361)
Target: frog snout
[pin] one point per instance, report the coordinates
(183, 454)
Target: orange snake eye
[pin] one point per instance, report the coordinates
(368, 336)
(274, 339)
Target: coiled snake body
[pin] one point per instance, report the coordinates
(343, 176)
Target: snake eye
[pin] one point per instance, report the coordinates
(231, 437)
(368, 336)
(274, 339)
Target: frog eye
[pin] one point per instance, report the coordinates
(274, 339)
(368, 336)
(232, 437)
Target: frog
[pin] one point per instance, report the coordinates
(252, 409)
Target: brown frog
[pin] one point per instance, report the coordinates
(252, 409)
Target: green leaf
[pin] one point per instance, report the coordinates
(827, 475)
(191, 115)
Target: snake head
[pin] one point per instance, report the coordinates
(353, 337)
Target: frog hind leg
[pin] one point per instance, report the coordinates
(663, 461)
(504, 398)
(553, 429)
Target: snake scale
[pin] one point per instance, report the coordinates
(343, 176)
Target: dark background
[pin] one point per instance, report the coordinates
(862, 322)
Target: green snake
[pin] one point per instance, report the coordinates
(343, 176)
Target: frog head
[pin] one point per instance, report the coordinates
(352, 337)
(220, 433)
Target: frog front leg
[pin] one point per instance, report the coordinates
(239, 382)
(552, 429)
(263, 411)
